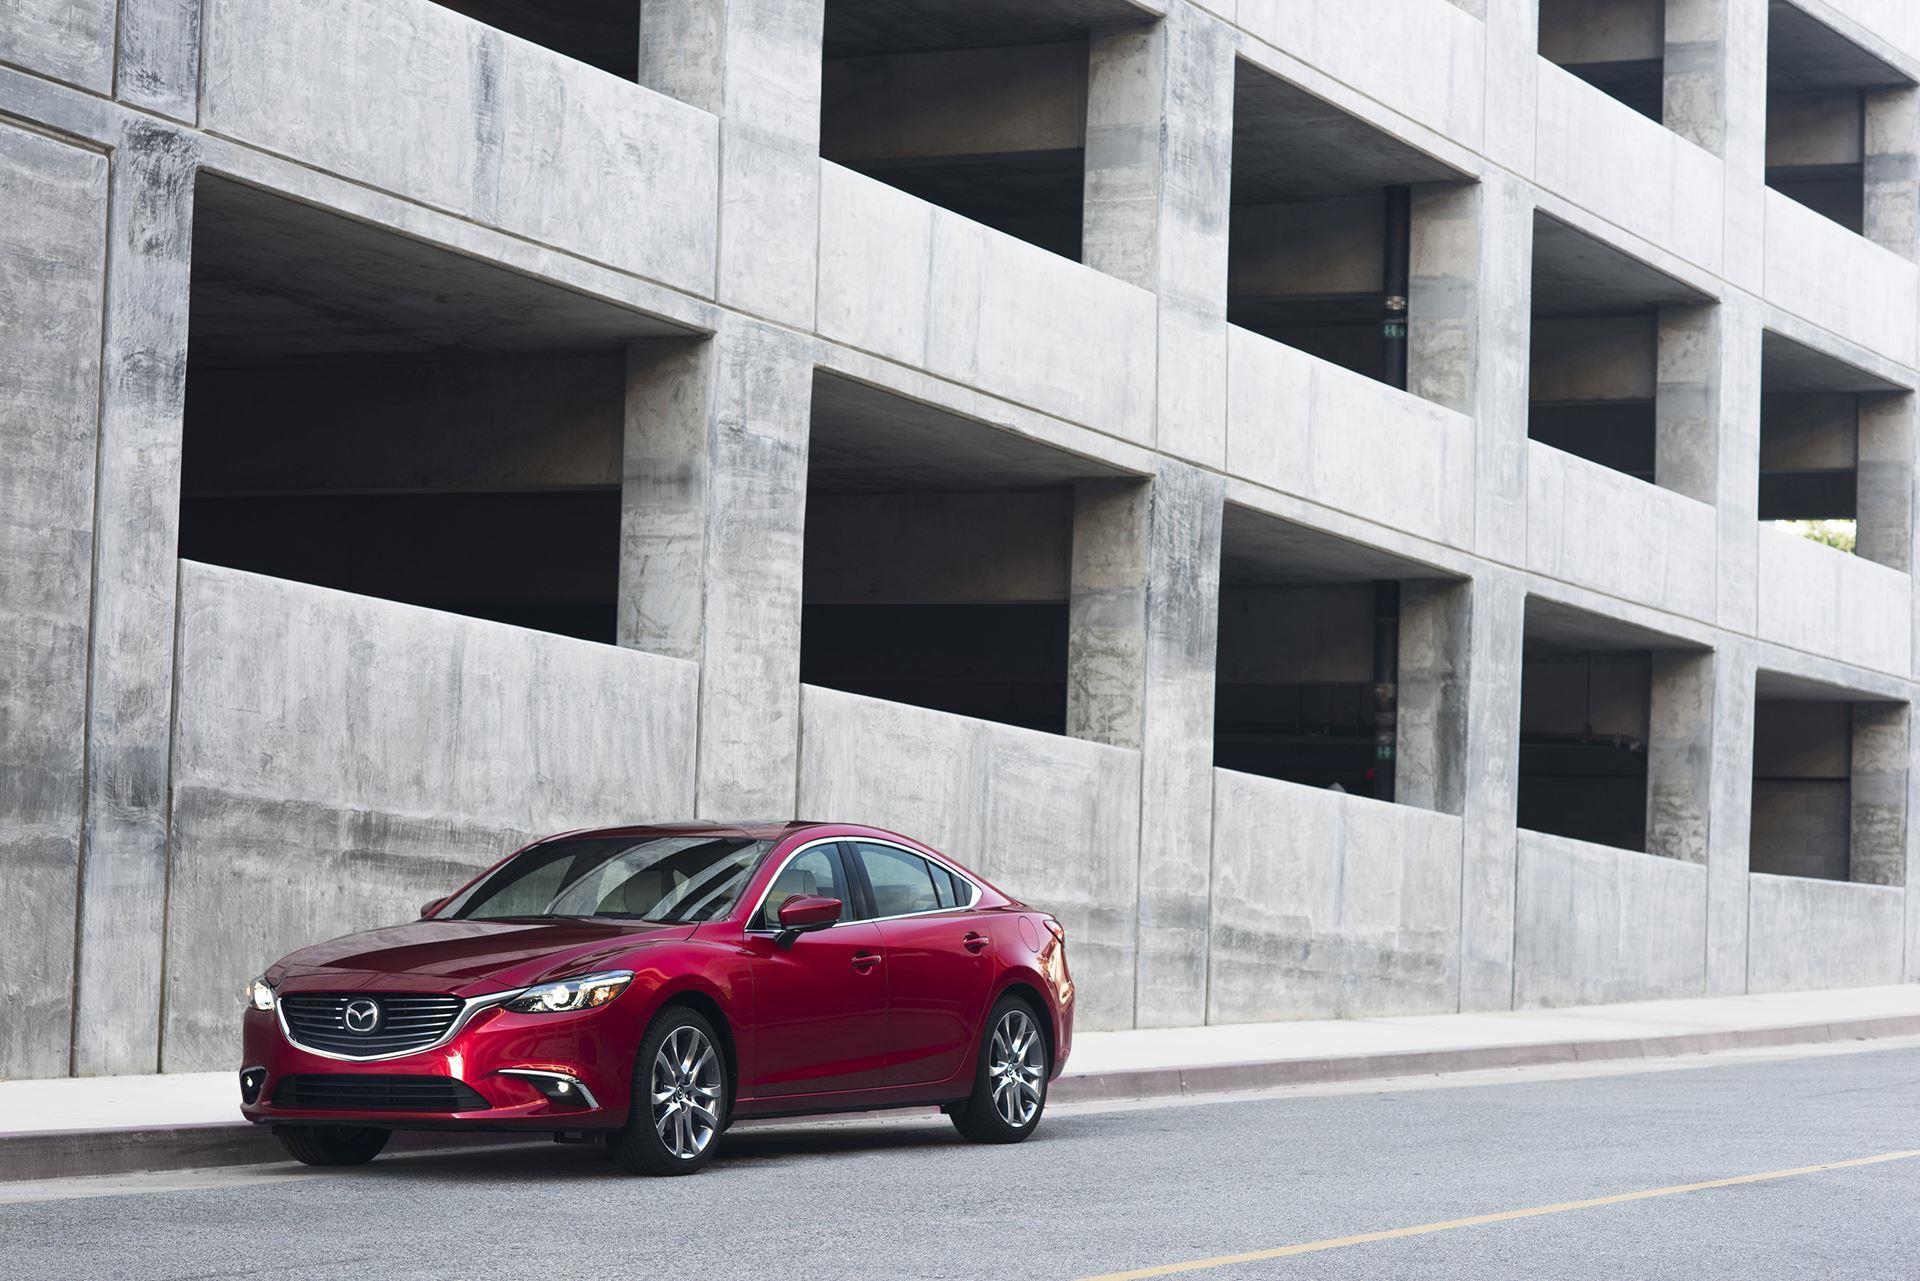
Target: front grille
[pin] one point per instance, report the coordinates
(356, 1092)
(406, 1023)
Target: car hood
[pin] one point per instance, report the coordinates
(465, 958)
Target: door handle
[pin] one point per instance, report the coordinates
(865, 960)
(974, 941)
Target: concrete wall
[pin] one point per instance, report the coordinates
(338, 761)
(1049, 820)
(1808, 933)
(1327, 905)
(1303, 426)
(52, 260)
(557, 144)
(1594, 924)
(904, 279)
(1824, 601)
(1607, 531)
(699, 196)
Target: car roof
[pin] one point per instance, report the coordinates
(753, 829)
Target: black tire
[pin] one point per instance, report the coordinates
(640, 1145)
(344, 1146)
(1009, 1083)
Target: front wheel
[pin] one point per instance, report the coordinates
(1010, 1082)
(344, 1146)
(679, 1097)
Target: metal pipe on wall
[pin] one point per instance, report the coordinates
(1398, 283)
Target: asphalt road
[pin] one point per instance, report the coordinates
(1101, 1190)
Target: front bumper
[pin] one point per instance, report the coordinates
(504, 1071)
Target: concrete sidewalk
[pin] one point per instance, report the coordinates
(113, 1125)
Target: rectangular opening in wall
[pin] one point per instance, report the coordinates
(1617, 46)
(1326, 210)
(1833, 454)
(1600, 317)
(938, 558)
(1829, 782)
(600, 33)
(1592, 688)
(1824, 96)
(1339, 664)
(375, 414)
(979, 108)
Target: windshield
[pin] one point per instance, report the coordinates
(674, 879)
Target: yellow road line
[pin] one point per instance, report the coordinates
(1335, 1243)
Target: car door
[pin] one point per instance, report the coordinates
(820, 999)
(939, 969)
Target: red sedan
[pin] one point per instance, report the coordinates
(652, 984)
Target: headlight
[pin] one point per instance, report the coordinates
(260, 994)
(572, 994)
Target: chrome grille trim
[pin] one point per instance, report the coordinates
(423, 1039)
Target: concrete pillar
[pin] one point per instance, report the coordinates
(1743, 143)
(1892, 162)
(1107, 612)
(1435, 648)
(53, 256)
(1496, 629)
(1686, 402)
(1694, 91)
(712, 530)
(116, 1011)
(1885, 481)
(1468, 330)
(159, 60)
(756, 65)
(1512, 82)
(1877, 844)
(1736, 496)
(1181, 640)
(1680, 755)
(1158, 180)
(1730, 818)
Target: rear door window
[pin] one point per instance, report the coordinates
(902, 883)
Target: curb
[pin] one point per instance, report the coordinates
(59, 1154)
(1269, 1074)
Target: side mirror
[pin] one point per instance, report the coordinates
(803, 913)
(428, 909)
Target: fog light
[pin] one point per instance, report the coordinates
(556, 1088)
(250, 1082)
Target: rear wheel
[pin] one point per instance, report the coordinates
(679, 1097)
(344, 1146)
(1010, 1082)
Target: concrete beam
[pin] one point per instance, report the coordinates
(1158, 190)
(756, 65)
(136, 535)
(712, 542)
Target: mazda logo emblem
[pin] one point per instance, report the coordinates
(362, 1016)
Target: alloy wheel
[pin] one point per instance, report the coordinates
(686, 1092)
(1017, 1065)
